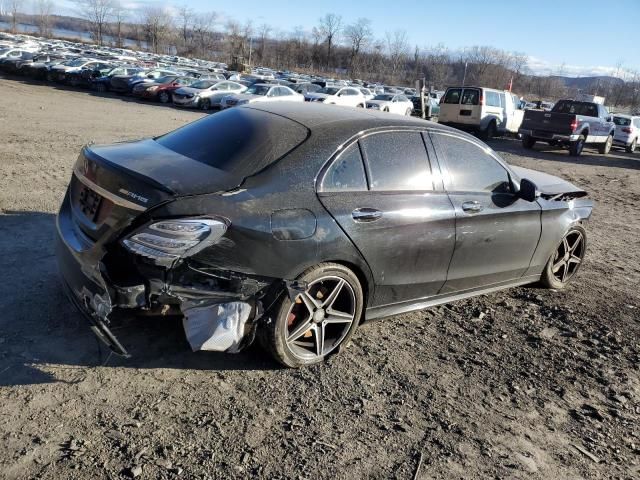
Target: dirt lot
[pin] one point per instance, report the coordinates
(527, 383)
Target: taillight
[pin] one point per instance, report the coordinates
(627, 130)
(481, 100)
(574, 124)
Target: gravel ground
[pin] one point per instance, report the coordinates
(527, 383)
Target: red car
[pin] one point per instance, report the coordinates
(162, 88)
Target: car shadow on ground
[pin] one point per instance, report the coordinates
(616, 158)
(41, 332)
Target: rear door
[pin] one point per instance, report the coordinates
(450, 105)
(496, 232)
(386, 197)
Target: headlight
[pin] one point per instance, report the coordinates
(169, 240)
(152, 89)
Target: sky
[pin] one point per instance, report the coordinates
(559, 36)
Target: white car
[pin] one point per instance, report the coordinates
(627, 133)
(344, 96)
(388, 102)
(9, 52)
(206, 93)
(262, 92)
(368, 94)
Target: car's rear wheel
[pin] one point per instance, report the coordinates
(605, 147)
(566, 260)
(575, 148)
(528, 142)
(318, 321)
(164, 97)
(408, 112)
(632, 148)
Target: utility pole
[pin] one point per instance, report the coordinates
(464, 77)
(250, 48)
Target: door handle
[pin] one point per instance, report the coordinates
(472, 206)
(366, 214)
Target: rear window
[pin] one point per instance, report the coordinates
(623, 122)
(470, 97)
(240, 141)
(452, 96)
(576, 108)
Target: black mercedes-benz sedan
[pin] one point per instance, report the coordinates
(295, 223)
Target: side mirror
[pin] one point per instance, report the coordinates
(528, 190)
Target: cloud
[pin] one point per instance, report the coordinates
(539, 66)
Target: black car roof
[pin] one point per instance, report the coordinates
(317, 117)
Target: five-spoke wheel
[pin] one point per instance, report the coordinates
(567, 258)
(319, 319)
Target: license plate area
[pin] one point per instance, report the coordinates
(465, 113)
(89, 203)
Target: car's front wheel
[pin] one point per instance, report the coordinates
(164, 97)
(566, 260)
(318, 321)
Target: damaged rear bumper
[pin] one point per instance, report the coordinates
(220, 308)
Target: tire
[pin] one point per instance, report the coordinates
(561, 268)
(632, 148)
(204, 104)
(575, 148)
(528, 142)
(553, 143)
(101, 87)
(605, 148)
(50, 77)
(289, 318)
(360, 105)
(408, 112)
(164, 97)
(489, 132)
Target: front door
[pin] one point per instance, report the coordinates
(496, 231)
(398, 219)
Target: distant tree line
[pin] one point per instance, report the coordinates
(332, 47)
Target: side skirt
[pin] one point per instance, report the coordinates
(383, 311)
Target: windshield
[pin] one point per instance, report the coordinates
(166, 79)
(76, 63)
(202, 84)
(329, 90)
(623, 122)
(386, 98)
(258, 90)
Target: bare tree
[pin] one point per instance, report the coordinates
(185, 20)
(329, 27)
(43, 9)
(157, 25)
(97, 13)
(359, 34)
(264, 35)
(120, 14)
(397, 46)
(14, 6)
(203, 24)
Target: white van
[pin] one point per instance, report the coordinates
(484, 110)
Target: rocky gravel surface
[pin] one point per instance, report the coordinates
(525, 383)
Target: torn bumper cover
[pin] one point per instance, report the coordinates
(220, 308)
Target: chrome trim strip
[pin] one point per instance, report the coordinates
(106, 193)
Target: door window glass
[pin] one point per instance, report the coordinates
(493, 100)
(397, 161)
(346, 173)
(470, 167)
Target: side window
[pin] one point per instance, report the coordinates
(493, 100)
(397, 161)
(346, 173)
(470, 167)
(503, 101)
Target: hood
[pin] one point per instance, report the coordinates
(323, 96)
(377, 102)
(549, 185)
(189, 91)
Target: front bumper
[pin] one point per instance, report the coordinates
(186, 102)
(543, 135)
